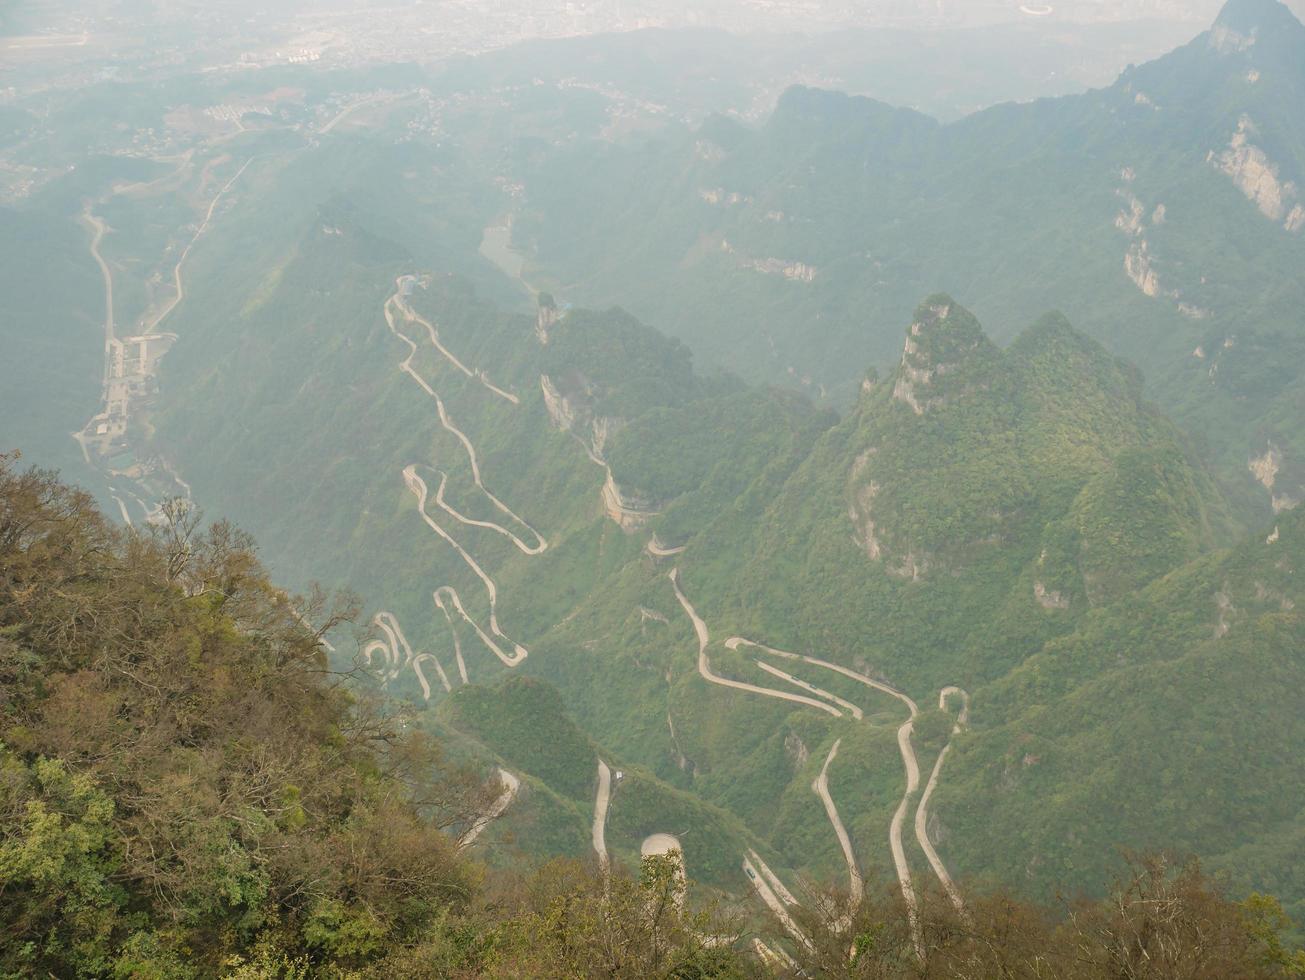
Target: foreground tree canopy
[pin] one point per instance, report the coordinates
(187, 789)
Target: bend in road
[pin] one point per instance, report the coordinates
(601, 802)
(704, 664)
(392, 645)
(511, 784)
(821, 788)
(772, 902)
(655, 844)
(848, 706)
(413, 316)
(658, 550)
(922, 811)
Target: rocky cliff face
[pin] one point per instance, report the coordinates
(1260, 178)
(573, 412)
(973, 447)
(943, 339)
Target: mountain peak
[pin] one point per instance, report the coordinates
(1242, 22)
(943, 338)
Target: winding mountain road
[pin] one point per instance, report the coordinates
(392, 644)
(511, 785)
(704, 664)
(912, 766)
(821, 788)
(768, 886)
(414, 317)
(762, 883)
(406, 367)
(922, 811)
(446, 592)
(446, 598)
(601, 801)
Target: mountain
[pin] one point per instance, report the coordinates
(186, 791)
(669, 511)
(1163, 214)
(977, 513)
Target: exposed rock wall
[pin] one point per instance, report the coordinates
(1259, 178)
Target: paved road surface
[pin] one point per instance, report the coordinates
(922, 811)
(601, 802)
(704, 665)
(511, 784)
(821, 789)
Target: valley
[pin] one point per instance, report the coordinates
(904, 508)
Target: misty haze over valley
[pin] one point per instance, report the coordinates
(636, 488)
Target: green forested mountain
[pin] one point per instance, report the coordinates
(186, 792)
(1163, 214)
(673, 518)
(975, 513)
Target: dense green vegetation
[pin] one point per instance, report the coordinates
(186, 792)
(524, 722)
(1006, 511)
(1013, 210)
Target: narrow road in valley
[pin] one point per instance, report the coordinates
(821, 788)
(99, 228)
(118, 402)
(511, 784)
(657, 549)
(655, 844)
(406, 367)
(601, 802)
(704, 664)
(399, 655)
(848, 706)
(178, 286)
(414, 317)
(771, 900)
(922, 811)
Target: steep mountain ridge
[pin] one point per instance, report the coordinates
(1004, 483)
(1019, 491)
(1159, 213)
